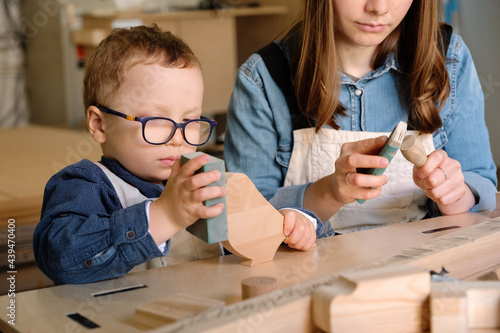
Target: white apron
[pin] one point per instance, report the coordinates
(313, 157)
(183, 245)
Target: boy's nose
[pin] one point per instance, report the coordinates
(178, 138)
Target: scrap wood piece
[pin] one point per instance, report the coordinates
(463, 306)
(173, 308)
(255, 227)
(388, 299)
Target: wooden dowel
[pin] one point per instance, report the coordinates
(257, 285)
(413, 150)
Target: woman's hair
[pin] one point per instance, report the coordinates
(423, 80)
(125, 48)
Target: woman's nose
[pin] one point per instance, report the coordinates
(377, 7)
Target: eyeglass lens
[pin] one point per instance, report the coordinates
(158, 131)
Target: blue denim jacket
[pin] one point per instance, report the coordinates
(259, 139)
(84, 234)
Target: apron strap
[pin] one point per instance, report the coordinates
(278, 66)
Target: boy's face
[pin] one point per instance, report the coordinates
(152, 91)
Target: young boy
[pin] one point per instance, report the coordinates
(143, 93)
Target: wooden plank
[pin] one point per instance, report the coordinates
(220, 279)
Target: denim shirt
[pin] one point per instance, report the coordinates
(259, 139)
(84, 234)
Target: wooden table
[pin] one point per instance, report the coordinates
(30, 156)
(220, 278)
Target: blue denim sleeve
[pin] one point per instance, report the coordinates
(466, 137)
(84, 235)
(259, 135)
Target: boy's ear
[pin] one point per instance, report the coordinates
(95, 123)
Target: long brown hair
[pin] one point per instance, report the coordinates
(423, 80)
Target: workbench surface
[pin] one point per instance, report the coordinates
(45, 310)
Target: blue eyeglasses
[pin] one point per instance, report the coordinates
(158, 130)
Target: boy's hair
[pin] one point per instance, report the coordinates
(125, 48)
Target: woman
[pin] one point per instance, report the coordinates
(358, 68)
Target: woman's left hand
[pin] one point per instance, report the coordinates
(442, 180)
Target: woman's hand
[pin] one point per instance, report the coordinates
(328, 194)
(442, 180)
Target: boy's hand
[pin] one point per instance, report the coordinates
(299, 231)
(181, 203)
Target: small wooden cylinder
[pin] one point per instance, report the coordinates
(413, 150)
(258, 285)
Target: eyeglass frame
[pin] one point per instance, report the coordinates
(144, 120)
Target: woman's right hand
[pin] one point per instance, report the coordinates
(328, 194)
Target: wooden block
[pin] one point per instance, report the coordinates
(255, 227)
(389, 299)
(464, 306)
(173, 308)
(211, 230)
(257, 285)
(413, 150)
(448, 314)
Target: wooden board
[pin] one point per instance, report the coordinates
(220, 279)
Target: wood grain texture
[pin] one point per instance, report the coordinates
(255, 227)
(258, 285)
(387, 299)
(284, 310)
(413, 150)
(172, 308)
(465, 306)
